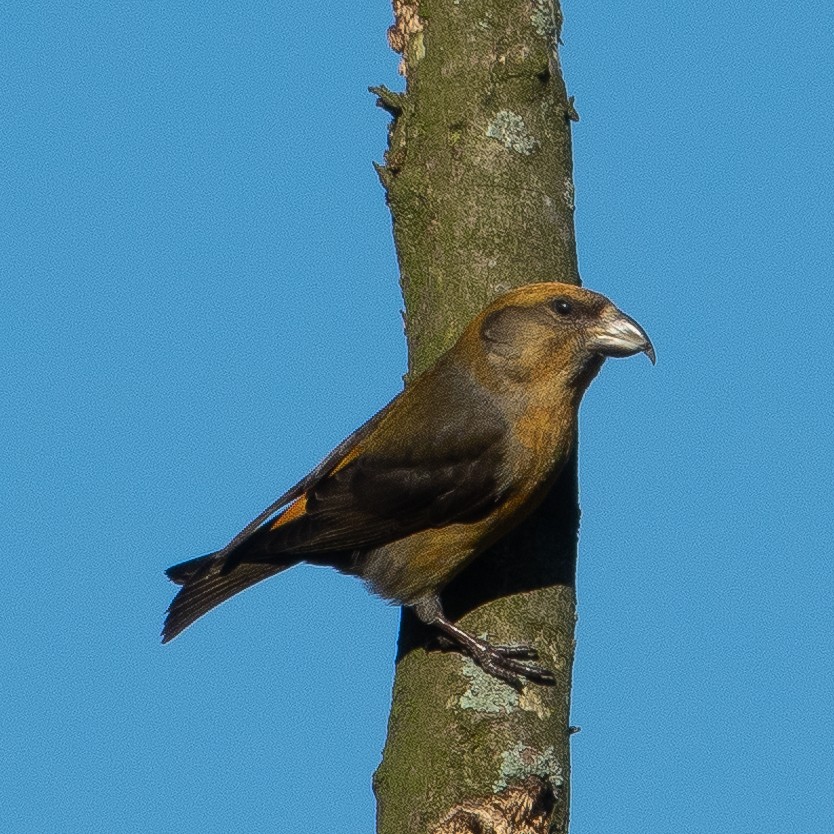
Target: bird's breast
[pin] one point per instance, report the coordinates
(540, 441)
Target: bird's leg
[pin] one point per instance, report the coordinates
(500, 661)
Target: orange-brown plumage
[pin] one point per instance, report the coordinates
(293, 511)
(463, 455)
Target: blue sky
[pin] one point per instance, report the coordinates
(199, 298)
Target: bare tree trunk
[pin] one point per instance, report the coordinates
(478, 178)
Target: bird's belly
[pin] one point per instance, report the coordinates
(425, 562)
(422, 563)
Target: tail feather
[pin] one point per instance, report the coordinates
(181, 573)
(204, 586)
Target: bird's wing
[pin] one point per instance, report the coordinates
(291, 497)
(433, 457)
(378, 498)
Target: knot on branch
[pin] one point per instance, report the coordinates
(388, 100)
(523, 808)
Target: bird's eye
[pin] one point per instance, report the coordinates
(562, 307)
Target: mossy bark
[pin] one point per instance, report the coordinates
(478, 178)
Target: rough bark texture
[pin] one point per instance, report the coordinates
(478, 178)
(524, 808)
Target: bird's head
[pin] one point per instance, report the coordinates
(542, 331)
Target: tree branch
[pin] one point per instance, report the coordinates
(478, 178)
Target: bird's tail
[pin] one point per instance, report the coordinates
(205, 585)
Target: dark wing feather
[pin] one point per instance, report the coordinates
(296, 491)
(372, 502)
(438, 460)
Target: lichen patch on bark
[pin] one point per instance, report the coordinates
(486, 693)
(543, 18)
(522, 760)
(569, 194)
(509, 129)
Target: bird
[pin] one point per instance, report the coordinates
(461, 456)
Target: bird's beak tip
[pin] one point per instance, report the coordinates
(620, 335)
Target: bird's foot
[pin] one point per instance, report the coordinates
(504, 663)
(511, 664)
(516, 652)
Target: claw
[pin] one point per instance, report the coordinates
(503, 662)
(517, 652)
(501, 672)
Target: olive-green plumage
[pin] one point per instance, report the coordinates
(460, 457)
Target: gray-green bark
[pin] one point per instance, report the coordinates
(478, 178)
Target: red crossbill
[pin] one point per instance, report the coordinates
(466, 452)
